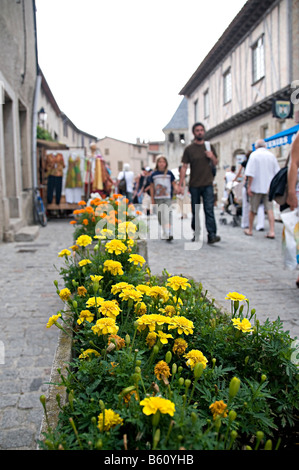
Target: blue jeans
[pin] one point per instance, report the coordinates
(206, 193)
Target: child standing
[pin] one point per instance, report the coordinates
(162, 184)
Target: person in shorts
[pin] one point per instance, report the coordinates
(262, 166)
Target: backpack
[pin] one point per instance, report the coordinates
(122, 185)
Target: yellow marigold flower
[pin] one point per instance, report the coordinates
(114, 267)
(182, 324)
(84, 262)
(195, 356)
(144, 289)
(151, 339)
(179, 346)
(65, 294)
(85, 315)
(140, 308)
(162, 369)
(109, 308)
(95, 278)
(219, 408)
(119, 286)
(153, 404)
(163, 337)
(84, 240)
(74, 248)
(117, 340)
(109, 419)
(136, 260)
(64, 252)
(235, 296)
(130, 242)
(52, 320)
(151, 321)
(243, 325)
(159, 292)
(169, 310)
(129, 293)
(88, 353)
(105, 326)
(177, 282)
(115, 246)
(82, 291)
(127, 227)
(94, 301)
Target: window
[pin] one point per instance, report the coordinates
(65, 129)
(171, 137)
(195, 110)
(106, 151)
(258, 60)
(227, 86)
(206, 104)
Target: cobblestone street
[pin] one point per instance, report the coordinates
(249, 265)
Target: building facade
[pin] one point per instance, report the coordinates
(117, 152)
(177, 135)
(18, 87)
(255, 61)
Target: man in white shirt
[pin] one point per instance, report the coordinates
(262, 166)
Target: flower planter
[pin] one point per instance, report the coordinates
(63, 356)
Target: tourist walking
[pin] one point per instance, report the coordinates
(162, 186)
(202, 163)
(262, 166)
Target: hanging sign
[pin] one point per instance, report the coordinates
(282, 109)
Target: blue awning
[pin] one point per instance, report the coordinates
(282, 138)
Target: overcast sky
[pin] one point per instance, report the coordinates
(116, 67)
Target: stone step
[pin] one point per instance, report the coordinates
(27, 233)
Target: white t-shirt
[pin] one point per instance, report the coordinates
(262, 166)
(129, 175)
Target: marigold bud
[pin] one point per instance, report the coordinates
(198, 370)
(168, 357)
(268, 445)
(234, 387)
(232, 415)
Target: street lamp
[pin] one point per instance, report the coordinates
(42, 116)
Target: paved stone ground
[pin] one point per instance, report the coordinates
(28, 299)
(249, 265)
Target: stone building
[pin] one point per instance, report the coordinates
(118, 152)
(254, 62)
(18, 99)
(177, 135)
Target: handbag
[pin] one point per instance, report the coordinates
(122, 185)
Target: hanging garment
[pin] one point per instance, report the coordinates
(98, 176)
(73, 183)
(54, 164)
(54, 185)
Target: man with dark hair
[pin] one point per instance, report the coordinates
(202, 159)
